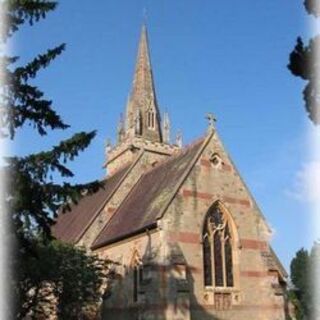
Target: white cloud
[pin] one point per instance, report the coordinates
(306, 184)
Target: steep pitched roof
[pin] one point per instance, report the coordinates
(147, 200)
(71, 224)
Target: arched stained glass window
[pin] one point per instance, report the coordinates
(217, 249)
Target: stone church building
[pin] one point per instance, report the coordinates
(188, 236)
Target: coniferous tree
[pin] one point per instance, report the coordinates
(303, 63)
(300, 276)
(32, 196)
(304, 277)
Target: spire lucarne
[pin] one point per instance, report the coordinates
(143, 116)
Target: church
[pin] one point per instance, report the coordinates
(188, 238)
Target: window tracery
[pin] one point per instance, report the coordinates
(217, 249)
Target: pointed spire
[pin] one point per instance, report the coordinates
(142, 101)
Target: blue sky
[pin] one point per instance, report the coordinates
(225, 57)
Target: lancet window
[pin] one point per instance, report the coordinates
(151, 120)
(137, 280)
(137, 275)
(217, 249)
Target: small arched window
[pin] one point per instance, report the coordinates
(137, 275)
(217, 249)
(137, 280)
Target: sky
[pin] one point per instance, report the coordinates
(225, 57)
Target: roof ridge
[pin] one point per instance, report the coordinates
(176, 154)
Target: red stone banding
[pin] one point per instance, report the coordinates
(206, 163)
(254, 274)
(226, 167)
(196, 194)
(207, 196)
(254, 244)
(185, 237)
(243, 202)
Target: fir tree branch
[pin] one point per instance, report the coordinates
(41, 61)
(17, 12)
(33, 203)
(23, 103)
(40, 165)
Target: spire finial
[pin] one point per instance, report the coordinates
(145, 15)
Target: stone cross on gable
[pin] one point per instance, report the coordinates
(212, 119)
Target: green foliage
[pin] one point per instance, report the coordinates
(75, 277)
(292, 297)
(303, 64)
(300, 276)
(32, 196)
(23, 102)
(304, 268)
(33, 201)
(17, 12)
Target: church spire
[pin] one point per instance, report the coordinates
(143, 117)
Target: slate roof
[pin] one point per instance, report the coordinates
(149, 197)
(71, 224)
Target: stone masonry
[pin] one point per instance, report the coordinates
(151, 218)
